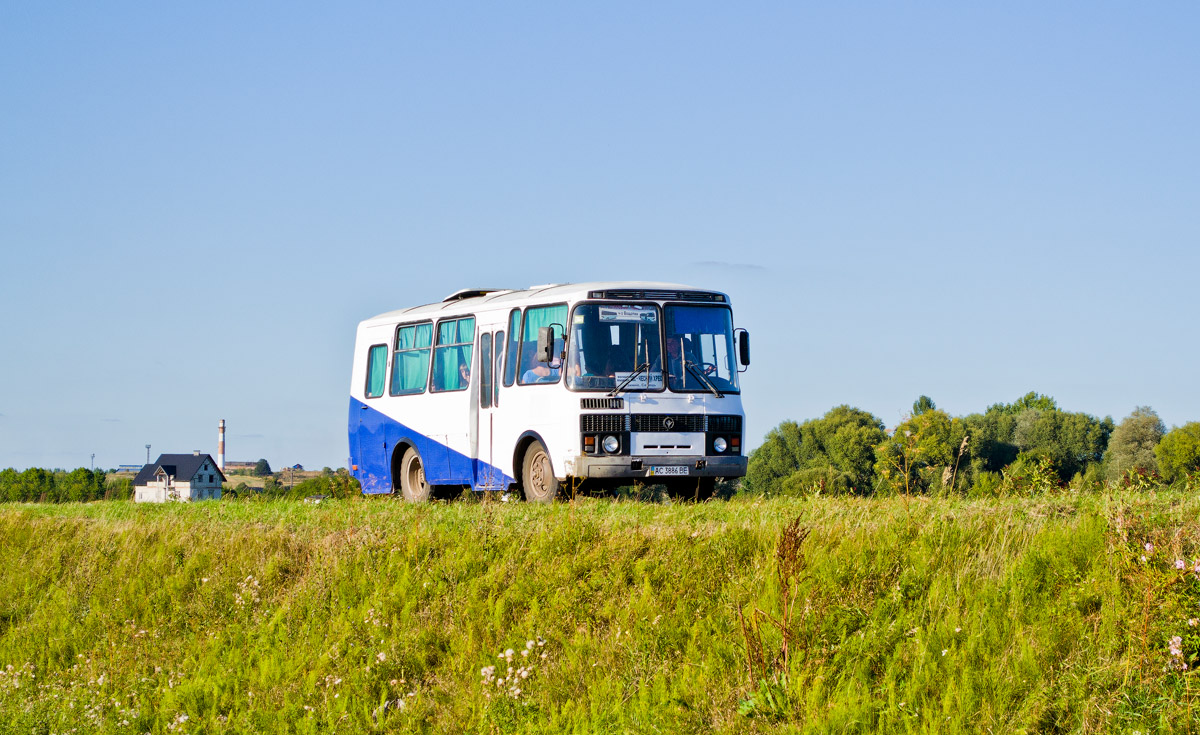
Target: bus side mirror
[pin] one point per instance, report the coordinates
(545, 344)
(743, 347)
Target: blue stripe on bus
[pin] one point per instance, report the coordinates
(374, 436)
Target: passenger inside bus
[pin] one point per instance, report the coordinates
(538, 372)
(679, 348)
(452, 368)
(600, 359)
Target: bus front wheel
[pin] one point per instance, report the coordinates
(413, 485)
(537, 475)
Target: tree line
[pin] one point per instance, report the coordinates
(37, 485)
(1028, 445)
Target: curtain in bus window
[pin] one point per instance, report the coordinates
(376, 370)
(466, 330)
(410, 365)
(452, 356)
(447, 332)
(544, 316)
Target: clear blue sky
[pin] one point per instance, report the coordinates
(198, 203)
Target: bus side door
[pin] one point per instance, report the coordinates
(487, 477)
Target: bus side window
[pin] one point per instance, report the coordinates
(510, 359)
(485, 370)
(452, 354)
(536, 317)
(376, 370)
(410, 362)
(499, 343)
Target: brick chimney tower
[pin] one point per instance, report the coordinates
(221, 445)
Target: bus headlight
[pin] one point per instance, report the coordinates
(719, 444)
(611, 444)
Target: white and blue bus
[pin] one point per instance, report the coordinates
(550, 388)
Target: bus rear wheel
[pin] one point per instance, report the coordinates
(537, 475)
(413, 485)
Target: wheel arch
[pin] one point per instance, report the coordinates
(402, 445)
(523, 442)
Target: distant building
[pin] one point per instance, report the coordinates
(178, 477)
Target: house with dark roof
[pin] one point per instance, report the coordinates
(181, 477)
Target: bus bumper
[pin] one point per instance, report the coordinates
(641, 467)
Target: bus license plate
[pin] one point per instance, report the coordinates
(669, 470)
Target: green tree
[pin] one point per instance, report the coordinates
(37, 485)
(1178, 452)
(1072, 441)
(1034, 425)
(993, 432)
(1133, 441)
(1033, 400)
(843, 439)
(923, 404)
(922, 453)
(10, 485)
(76, 486)
(262, 468)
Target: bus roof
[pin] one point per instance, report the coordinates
(482, 298)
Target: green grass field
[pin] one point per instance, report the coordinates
(925, 616)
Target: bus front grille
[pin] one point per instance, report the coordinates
(595, 423)
(725, 424)
(668, 422)
(586, 403)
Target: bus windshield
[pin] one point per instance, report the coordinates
(700, 343)
(609, 342)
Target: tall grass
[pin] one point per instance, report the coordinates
(935, 615)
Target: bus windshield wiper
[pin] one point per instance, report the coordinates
(691, 367)
(640, 369)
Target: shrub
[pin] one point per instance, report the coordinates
(986, 485)
(844, 439)
(1030, 475)
(816, 481)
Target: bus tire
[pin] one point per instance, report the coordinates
(413, 485)
(537, 475)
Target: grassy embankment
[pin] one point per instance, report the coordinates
(927, 616)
